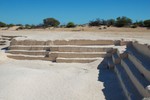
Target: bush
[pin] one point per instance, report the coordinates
(10, 25)
(19, 25)
(123, 22)
(62, 26)
(2, 24)
(133, 26)
(27, 26)
(33, 26)
(147, 23)
(97, 22)
(139, 23)
(70, 25)
(110, 22)
(51, 22)
(104, 27)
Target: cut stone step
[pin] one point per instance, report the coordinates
(1, 41)
(143, 49)
(5, 38)
(140, 82)
(63, 48)
(29, 57)
(116, 59)
(110, 63)
(75, 60)
(128, 87)
(84, 49)
(34, 47)
(63, 42)
(25, 52)
(2, 44)
(78, 54)
(142, 59)
(121, 52)
(82, 42)
(142, 67)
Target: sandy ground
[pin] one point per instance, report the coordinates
(131, 34)
(113, 33)
(43, 80)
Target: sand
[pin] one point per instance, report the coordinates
(44, 80)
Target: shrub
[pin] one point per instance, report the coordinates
(10, 25)
(51, 22)
(62, 26)
(147, 23)
(133, 26)
(33, 26)
(139, 23)
(27, 26)
(104, 27)
(70, 25)
(19, 25)
(123, 21)
(110, 22)
(97, 22)
(2, 24)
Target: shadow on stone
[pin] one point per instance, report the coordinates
(112, 89)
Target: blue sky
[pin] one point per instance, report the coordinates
(78, 11)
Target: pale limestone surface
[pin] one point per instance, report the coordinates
(43, 80)
(143, 37)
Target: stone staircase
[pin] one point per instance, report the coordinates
(129, 60)
(132, 69)
(5, 41)
(61, 51)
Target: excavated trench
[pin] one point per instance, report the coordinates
(129, 60)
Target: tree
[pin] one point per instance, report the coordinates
(147, 23)
(70, 25)
(10, 25)
(103, 22)
(33, 26)
(2, 24)
(123, 21)
(110, 22)
(27, 26)
(51, 22)
(139, 23)
(19, 25)
(96, 22)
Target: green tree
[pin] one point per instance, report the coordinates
(139, 23)
(19, 25)
(111, 22)
(27, 26)
(123, 21)
(70, 25)
(147, 23)
(96, 22)
(2, 24)
(51, 22)
(10, 25)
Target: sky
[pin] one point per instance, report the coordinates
(77, 11)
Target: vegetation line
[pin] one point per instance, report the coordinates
(52, 22)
